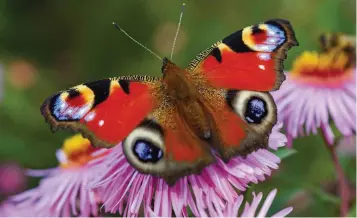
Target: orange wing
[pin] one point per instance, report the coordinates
(249, 59)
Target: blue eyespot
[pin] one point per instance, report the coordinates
(147, 151)
(256, 110)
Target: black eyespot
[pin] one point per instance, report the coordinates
(146, 151)
(256, 110)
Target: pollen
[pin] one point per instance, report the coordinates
(77, 150)
(75, 144)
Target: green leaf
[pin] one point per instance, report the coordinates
(326, 196)
(314, 189)
(285, 152)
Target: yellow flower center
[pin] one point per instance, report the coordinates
(78, 151)
(324, 68)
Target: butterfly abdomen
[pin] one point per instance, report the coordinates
(185, 96)
(193, 114)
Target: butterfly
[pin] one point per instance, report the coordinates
(177, 124)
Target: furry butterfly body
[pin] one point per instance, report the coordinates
(175, 125)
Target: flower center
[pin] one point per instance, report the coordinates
(77, 151)
(327, 68)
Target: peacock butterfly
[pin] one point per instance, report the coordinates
(171, 126)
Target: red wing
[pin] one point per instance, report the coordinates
(240, 120)
(104, 111)
(182, 144)
(231, 131)
(249, 59)
(185, 152)
(164, 145)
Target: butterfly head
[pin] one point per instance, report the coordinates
(166, 65)
(177, 82)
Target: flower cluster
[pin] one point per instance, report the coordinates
(89, 180)
(124, 188)
(87, 177)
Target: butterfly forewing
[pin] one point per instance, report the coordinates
(249, 59)
(105, 111)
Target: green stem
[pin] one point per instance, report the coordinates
(343, 186)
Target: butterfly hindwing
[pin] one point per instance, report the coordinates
(249, 59)
(241, 121)
(104, 111)
(163, 145)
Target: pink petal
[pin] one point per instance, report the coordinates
(284, 212)
(267, 203)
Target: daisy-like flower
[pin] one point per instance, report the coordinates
(63, 191)
(8, 209)
(123, 189)
(319, 86)
(250, 210)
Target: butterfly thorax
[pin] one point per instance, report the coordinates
(177, 83)
(185, 96)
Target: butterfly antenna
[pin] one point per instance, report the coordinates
(130, 37)
(177, 31)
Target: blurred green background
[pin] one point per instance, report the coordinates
(47, 46)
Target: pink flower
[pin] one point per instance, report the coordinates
(320, 86)
(63, 190)
(9, 209)
(12, 179)
(250, 210)
(123, 189)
